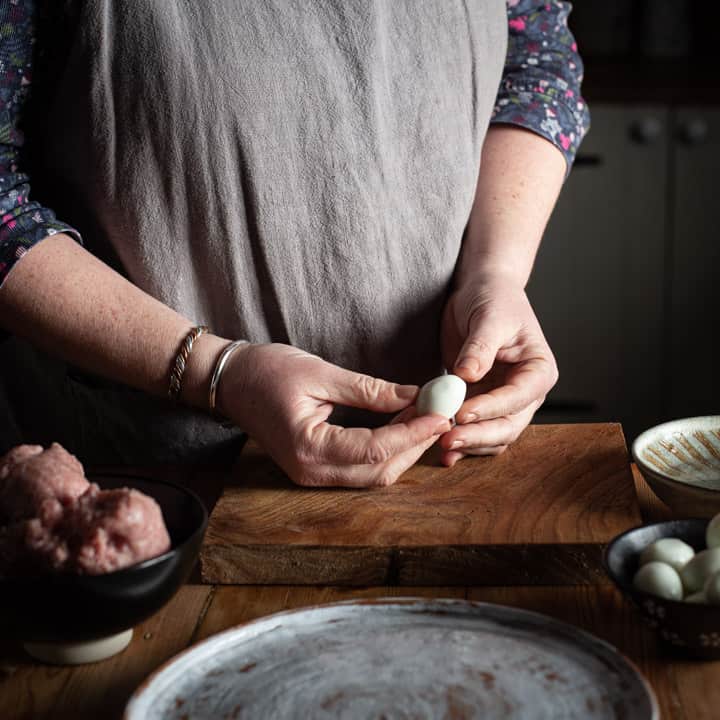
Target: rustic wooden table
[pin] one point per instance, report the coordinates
(685, 689)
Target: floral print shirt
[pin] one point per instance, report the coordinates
(540, 87)
(540, 91)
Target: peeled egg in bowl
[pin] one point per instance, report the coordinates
(699, 569)
(659, 578)
(682, 625)
(672, 551)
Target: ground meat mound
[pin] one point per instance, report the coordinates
(112, 529)
(53, 520)
(39, 483)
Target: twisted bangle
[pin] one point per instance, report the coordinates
(178, 369)
(219, 367)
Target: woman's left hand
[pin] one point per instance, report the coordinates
(492, 339)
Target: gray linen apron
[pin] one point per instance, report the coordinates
(294, 171)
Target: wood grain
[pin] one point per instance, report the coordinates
(691, 681)
(652, 508)
(540, 513)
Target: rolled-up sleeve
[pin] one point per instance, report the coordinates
(540, 88)
(23, 222)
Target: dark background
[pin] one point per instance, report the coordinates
(626, 284)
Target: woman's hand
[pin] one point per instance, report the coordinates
(492, 339)
(490, 335)
(282, 397)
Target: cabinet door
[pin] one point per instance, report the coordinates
(597, 286)
(694, 368)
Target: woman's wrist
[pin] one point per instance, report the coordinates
(195, 387)
(479, 268)
(202, 366)
(235, 382)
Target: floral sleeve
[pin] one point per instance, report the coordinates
(23, 222)
(540, 88)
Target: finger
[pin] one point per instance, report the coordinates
(407, 414)
(364, 391)
(489, 433)
(391, 471)
(367, 476)
(335, 445)
(526, 384)
(486, 433)
(494, 450)
(452, 457)
(477, 355)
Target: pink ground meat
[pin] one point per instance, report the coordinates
(53, 519)
(112, 529)
(39, 483)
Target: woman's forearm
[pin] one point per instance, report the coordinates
(520, 178)
(67, 302)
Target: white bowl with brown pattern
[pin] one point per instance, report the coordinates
(680, 460)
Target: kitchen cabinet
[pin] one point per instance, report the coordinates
(625, 281)
(694, 275)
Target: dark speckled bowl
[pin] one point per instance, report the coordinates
(82, 618)
(690, 628)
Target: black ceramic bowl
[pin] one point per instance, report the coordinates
(690, 628)
(72, 610)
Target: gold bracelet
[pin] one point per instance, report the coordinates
(219, 367)
(178, 369)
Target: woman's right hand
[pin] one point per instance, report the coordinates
(282, 397)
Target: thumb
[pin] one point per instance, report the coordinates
(369, 393)
(477, 355)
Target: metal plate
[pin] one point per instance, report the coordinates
(398, 658)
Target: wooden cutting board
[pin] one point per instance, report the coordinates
(538, 514)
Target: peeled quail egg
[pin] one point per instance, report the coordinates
(444, 395)
(672, 551)
(659, 578)
(696, 572)
(698, 597)
(712, 589)
(712, 534)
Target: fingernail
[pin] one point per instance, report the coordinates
(407, 392)
(469, 418)
(456, 444)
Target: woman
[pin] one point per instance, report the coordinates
(339, 183)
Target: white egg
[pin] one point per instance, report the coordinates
(712, 534)
(696, 572)
(444, 395)
(672, 551)
(698, 597)
(712, 589)
(658, 578)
